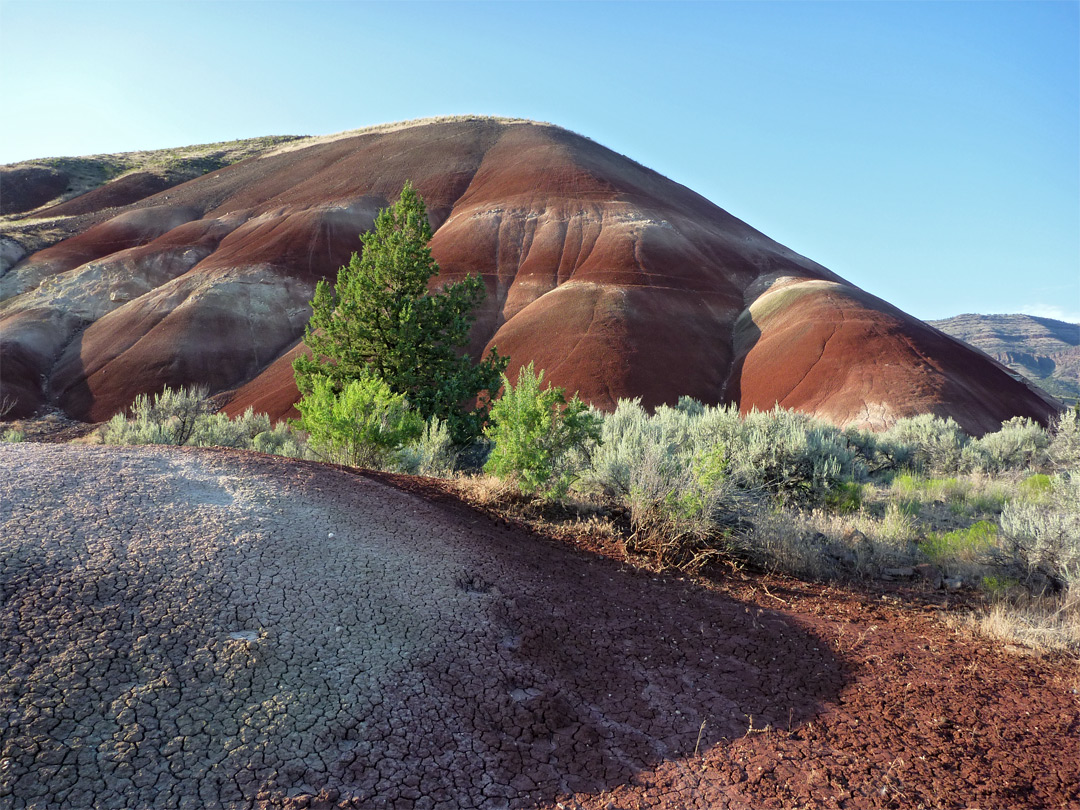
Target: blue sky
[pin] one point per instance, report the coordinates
(927, 151)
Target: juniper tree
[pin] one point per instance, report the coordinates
(380, 315)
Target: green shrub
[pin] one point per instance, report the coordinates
(875, 453)
(186, 417)
(250, 431)
(536, 432)
(280, 440)
(628, 434)
(218, 430)
(999, 586)
(780, 451)
(674, 506)
(926, 443)
(249, 425)
(1044, 538)
(13, 435)
(1020, 444)
(670, 470)
(679, 470)
(363, 425)
(432, 453)
(790, 454)
(1064, 449)
(171, 417)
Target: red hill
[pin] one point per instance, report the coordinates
(616, 280)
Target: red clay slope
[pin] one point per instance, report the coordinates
(616, 280)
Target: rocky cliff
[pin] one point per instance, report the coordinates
(1044, 350)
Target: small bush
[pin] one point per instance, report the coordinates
(186, 417)
(432, 453)
(783, 452)
(874, 452)
(926, 443)
(536, 433)
(218, 430)
(171, 417)
(999, 586)
(674, 507)
(787, 541)
(363, 425)
(628, 434)
(280, 440)
(1044, 538)
(791, 455)
(1019, 445)
(13, 435)
(1064, 448)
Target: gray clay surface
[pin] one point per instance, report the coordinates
(200, 628)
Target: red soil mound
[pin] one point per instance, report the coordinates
(616, 280)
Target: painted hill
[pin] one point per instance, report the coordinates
(1044, 350)
(616, 280)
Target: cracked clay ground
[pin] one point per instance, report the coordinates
(199, 628)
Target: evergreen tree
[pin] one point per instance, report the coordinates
(381, 316)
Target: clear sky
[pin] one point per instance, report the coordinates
(927, 151)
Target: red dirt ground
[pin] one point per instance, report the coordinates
(926, 716)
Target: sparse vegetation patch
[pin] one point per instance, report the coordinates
(694, 487)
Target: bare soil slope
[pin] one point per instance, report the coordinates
(245, 631)
(616, 280)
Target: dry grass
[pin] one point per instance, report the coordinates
(118, 163)
(950, 502)
(396, 126)
(484, 490)
(1049, 624)
(821, 544)
(184, 163)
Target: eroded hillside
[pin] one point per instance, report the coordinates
(614, 279)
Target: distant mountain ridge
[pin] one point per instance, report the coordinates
(1044, 350)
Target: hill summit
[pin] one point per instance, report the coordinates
(614, 279)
